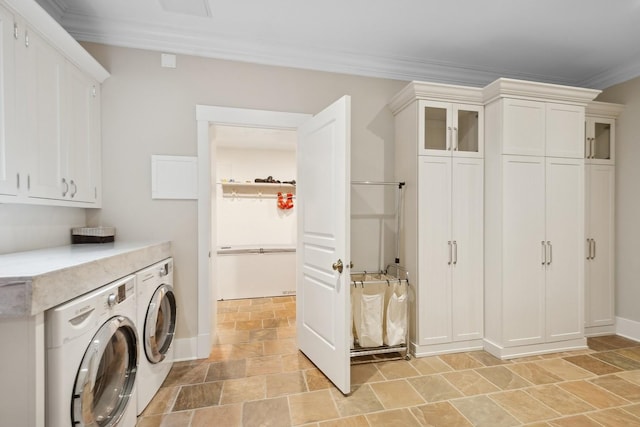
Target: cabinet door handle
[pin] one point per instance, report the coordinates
(450, 252)
(449, 137)
(594, 249)
(588, 248)
(66, 187)
(16, 34)
(455, 140)
(550, 260)
(544, 253)
(593, 148)
(75, 188)
(18, 181)
(455, 252)
(26, 38)
(587, 148)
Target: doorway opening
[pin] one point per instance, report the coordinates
(210, 118)
(256, 211)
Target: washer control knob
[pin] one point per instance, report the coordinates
(164, 270)
(111, 300)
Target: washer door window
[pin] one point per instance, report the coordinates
(107, 374)
(160, 324)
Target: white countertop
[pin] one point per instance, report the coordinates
(34, 281)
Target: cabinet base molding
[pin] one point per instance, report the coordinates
(453, 347)
(628, 328)
(596, 331)
(505, 353)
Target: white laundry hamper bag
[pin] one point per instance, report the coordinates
(368, 315)
(396, 316)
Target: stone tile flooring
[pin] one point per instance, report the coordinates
(256, 377)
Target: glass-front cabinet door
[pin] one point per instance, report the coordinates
(599, 140)
(450, 129)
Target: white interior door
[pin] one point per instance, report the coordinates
(323, 306)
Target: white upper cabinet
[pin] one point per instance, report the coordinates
(450, 129)
(600, 135)
(564, 130)
(9, 172)
(50, 115)
(44, 83)
(524, 127)
(81, 136)
(536, 128)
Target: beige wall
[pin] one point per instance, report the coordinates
(627, 198)
(27, 227)
(149, 110)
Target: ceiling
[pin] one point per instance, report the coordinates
(588, 43)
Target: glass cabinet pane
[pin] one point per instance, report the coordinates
(602, 143)
(435, 128)
(468, 131)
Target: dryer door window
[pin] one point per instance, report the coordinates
(107, 374)
(160, 324)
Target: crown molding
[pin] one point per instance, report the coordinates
(604, 109)
(434, 91)
(505, 87)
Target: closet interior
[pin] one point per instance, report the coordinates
(379, 298)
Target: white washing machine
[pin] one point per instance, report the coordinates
(156, 324)
(92, 358)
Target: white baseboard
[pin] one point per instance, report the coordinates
(192, 348)
(453, 347)
(505, 353)
(597, 331)
(628, 328)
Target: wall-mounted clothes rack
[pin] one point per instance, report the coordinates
(398, 184)
(230, 250)
(253, 190)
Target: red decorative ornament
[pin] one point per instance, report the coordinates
(285, 203)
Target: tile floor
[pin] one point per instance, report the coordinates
(256, 377)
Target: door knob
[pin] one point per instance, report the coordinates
(338, 266)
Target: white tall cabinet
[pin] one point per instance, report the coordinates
(439, 154)
(599, 152)
(534, 217)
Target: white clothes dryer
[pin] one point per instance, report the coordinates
(92, 358)
(156, 323)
